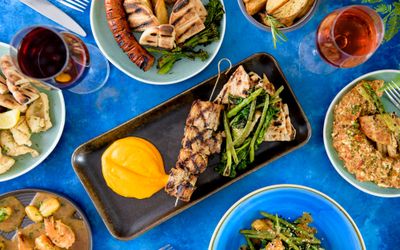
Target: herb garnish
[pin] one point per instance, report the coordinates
(391, 16)
(277, 34)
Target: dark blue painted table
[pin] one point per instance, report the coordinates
(123, 98)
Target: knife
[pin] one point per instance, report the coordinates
(50, 11)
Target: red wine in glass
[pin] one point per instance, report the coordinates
(349, 36)
(55, 56)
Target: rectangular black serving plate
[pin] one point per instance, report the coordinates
(163, 125)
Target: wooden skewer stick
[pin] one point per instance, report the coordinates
(211, 95)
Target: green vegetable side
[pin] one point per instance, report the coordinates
(245, 123)
(187, 50)
(274, 231)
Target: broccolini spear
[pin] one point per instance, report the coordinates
(210, 34)
(168, 58)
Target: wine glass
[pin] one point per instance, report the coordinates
(59, 59)
(345, 38)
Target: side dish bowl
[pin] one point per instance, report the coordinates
(335, 227)
(182, 70)
(44, 142)
(368, 187)
(298, 24)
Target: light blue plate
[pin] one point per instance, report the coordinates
(43, 142)
(183, 69)
(368, 187)
(335, 227)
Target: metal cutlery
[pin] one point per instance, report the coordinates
(79, 5)
(50, 11)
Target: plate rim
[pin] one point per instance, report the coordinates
(142, 80)
(40, 190)
(325, 133)
(280, 187)
(55, 142)
(93, 196)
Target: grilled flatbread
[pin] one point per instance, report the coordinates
(186, 16)
(23, 91)
(238, 85)
(8, 101)
(162, 36)
(140, 15)
(281, 128)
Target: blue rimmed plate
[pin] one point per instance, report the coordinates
(368, 187)
(44, 142)
(335, 227)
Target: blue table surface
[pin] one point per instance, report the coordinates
(123, 98)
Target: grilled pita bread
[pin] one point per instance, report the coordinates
(8, 101)
(162, 36)
(3, 85)
(281, 128)
(238, 85)
(140, 15)
(187, 16)
(23, 91)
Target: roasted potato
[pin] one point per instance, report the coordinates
(49, 207)
(160, 10)
(33, 213)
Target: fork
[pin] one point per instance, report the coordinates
(79, 5)
(393, 93)
(167, 247)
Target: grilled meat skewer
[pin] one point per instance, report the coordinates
(200, 140)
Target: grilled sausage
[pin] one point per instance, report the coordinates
(117, 21)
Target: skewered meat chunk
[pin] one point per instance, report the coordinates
(204, 115)
(181, 184)
(192, 162)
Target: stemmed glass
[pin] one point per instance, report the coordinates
(59, 59)
(346, 38)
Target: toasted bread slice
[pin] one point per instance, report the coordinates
(186, 20)
(140, 15)
(162, 36)
(274, 5)
(254, 6)
(306, 9)
(289, 11)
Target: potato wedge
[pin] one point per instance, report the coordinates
(160, 10)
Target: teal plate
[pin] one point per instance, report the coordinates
(182, 70)
(43, 142)
(368, 187)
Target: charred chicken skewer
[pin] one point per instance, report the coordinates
(200, 140)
